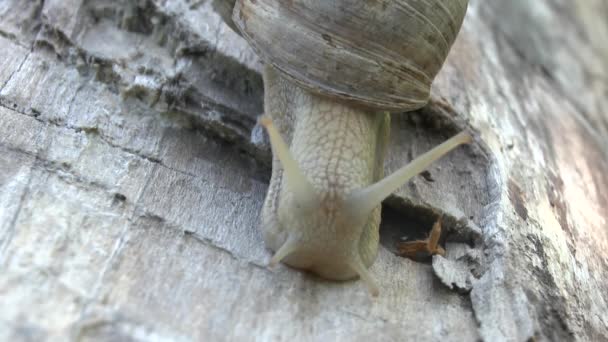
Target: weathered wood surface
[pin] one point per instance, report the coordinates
(132, 175)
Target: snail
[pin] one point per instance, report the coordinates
(334, 71)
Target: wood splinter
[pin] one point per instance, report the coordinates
(423, 248)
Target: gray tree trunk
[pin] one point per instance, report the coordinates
(132, 175)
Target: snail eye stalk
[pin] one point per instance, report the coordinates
(304, 193)
(361, 202)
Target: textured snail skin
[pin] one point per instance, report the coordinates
(339, 148)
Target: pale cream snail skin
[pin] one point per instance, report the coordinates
(334, 71)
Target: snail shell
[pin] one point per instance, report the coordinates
(380, 54)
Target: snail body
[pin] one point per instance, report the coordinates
(334, 70)
(337, 148)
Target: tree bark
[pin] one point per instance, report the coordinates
(132, 175)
